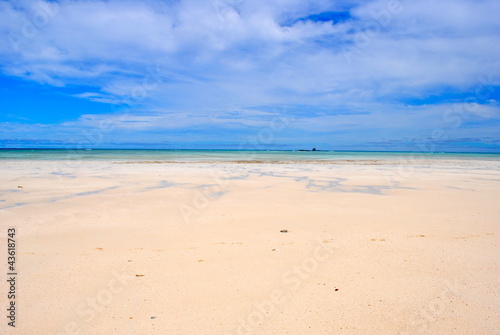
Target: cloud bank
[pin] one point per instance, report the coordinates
(345, 74)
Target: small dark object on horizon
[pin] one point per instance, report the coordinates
(284, 231)
(313, 149)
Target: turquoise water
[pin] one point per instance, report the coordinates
(225, 155)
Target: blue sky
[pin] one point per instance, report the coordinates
(276, 74)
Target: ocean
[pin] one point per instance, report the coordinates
(227, 155)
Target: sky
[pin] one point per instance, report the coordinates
(391, 75)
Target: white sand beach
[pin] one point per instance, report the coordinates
(197, 248)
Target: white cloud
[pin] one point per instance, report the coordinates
(218, 56)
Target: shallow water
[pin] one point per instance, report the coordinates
(226, 155)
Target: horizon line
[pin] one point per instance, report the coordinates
(261, 150)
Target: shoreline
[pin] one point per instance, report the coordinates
(387, 162)
(361, 161)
